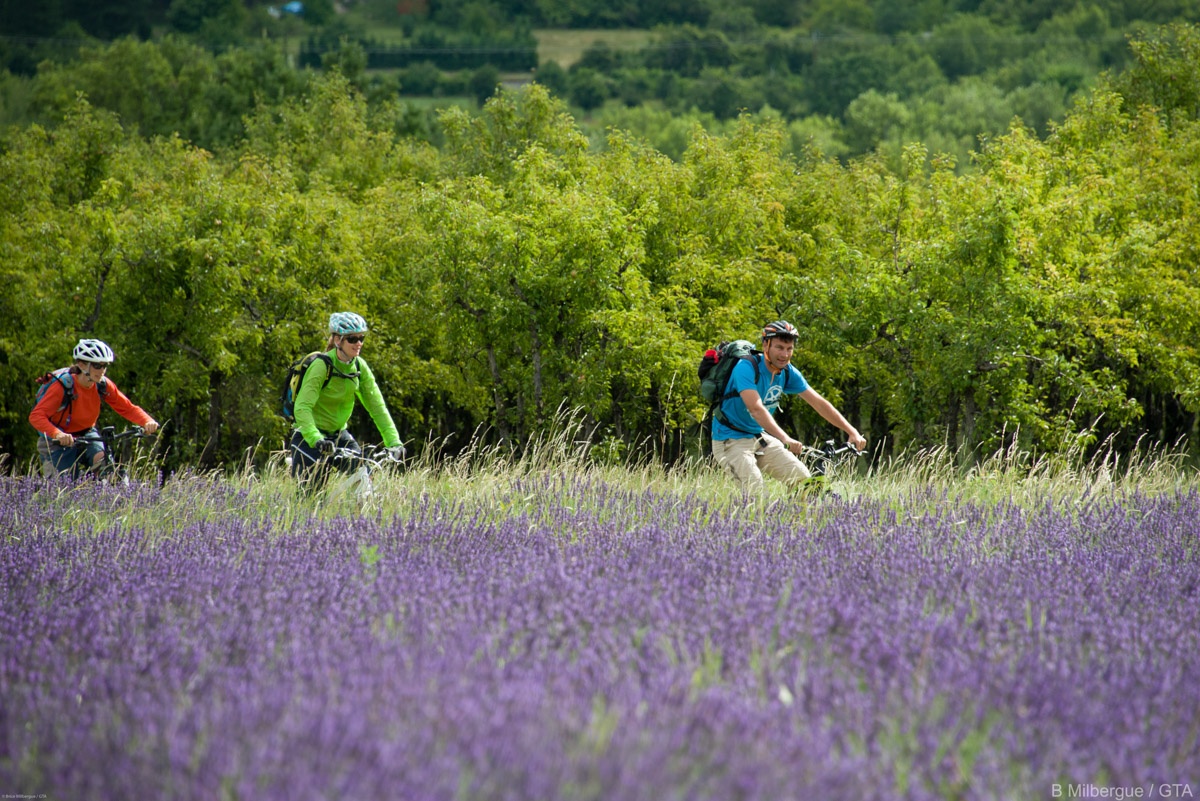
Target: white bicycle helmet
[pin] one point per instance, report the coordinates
(93, 350)
(342, 323)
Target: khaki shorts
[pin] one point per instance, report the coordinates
(748, 458)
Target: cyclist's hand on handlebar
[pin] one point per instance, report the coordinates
(64, 439)
(858, 441)
(150, 427)
(396, 452)
(794, 445)
(326, 446)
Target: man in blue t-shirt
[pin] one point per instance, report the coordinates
(746, 438)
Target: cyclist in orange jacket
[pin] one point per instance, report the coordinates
(69, 406)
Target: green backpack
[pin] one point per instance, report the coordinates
(715, 369)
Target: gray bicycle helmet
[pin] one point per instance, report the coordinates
(780, 329)
(342, 323)
(93, 350)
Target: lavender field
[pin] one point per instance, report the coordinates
(571, 638)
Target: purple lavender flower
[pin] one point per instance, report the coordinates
(601, 644)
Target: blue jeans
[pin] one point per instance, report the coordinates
(309, 465)
(76, 459)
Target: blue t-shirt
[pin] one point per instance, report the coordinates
(770, 389)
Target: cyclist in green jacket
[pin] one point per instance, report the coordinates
(323, 407)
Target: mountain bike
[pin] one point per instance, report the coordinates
(119, 449)
(830, 456)
(352, 471)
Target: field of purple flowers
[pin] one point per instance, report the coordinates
(576, 639)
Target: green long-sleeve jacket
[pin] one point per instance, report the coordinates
(327, 410)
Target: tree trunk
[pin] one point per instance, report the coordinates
(208, 457)
(968, 418)
(538, 384)
(498, 394)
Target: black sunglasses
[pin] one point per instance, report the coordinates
(99, 365)
(355, 338)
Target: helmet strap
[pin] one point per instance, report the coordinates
(85, 373)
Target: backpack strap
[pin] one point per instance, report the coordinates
(734, 394)
(720, 416)
(64, 377)
(357, 370)
(329, 371)
(306, 363)
(334, 371)
(67, 379)
(718, 410)
(719, 406)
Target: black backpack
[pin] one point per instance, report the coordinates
(715, 369)
(295, 377)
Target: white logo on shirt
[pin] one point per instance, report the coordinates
(773, 395)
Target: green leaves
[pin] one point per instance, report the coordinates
(1048, 298)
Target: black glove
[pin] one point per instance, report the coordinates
(325, 446)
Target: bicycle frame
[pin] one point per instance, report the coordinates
(829, 456)
(371, 456)
(110, 441)
(356, 468)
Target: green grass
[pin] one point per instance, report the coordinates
(495, 483)
(425, 102)
(567, 46)
(385, 34)
(379, 21)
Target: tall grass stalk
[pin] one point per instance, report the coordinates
(1024, 477)
(494, 481)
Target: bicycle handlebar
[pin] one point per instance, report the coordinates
(108, 438)
(845, 447)
(372, 455)
(831, 450)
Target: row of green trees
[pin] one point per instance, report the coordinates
(850, 94)
(814, 72)
(222, 20)
(888, 17)
(1049, 297)
(849, 77)
(31, 33)
(509, 50)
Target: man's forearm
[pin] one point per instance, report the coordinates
(764, 419)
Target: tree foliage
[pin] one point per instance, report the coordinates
(1046, 298)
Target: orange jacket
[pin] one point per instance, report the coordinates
(83, 411)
